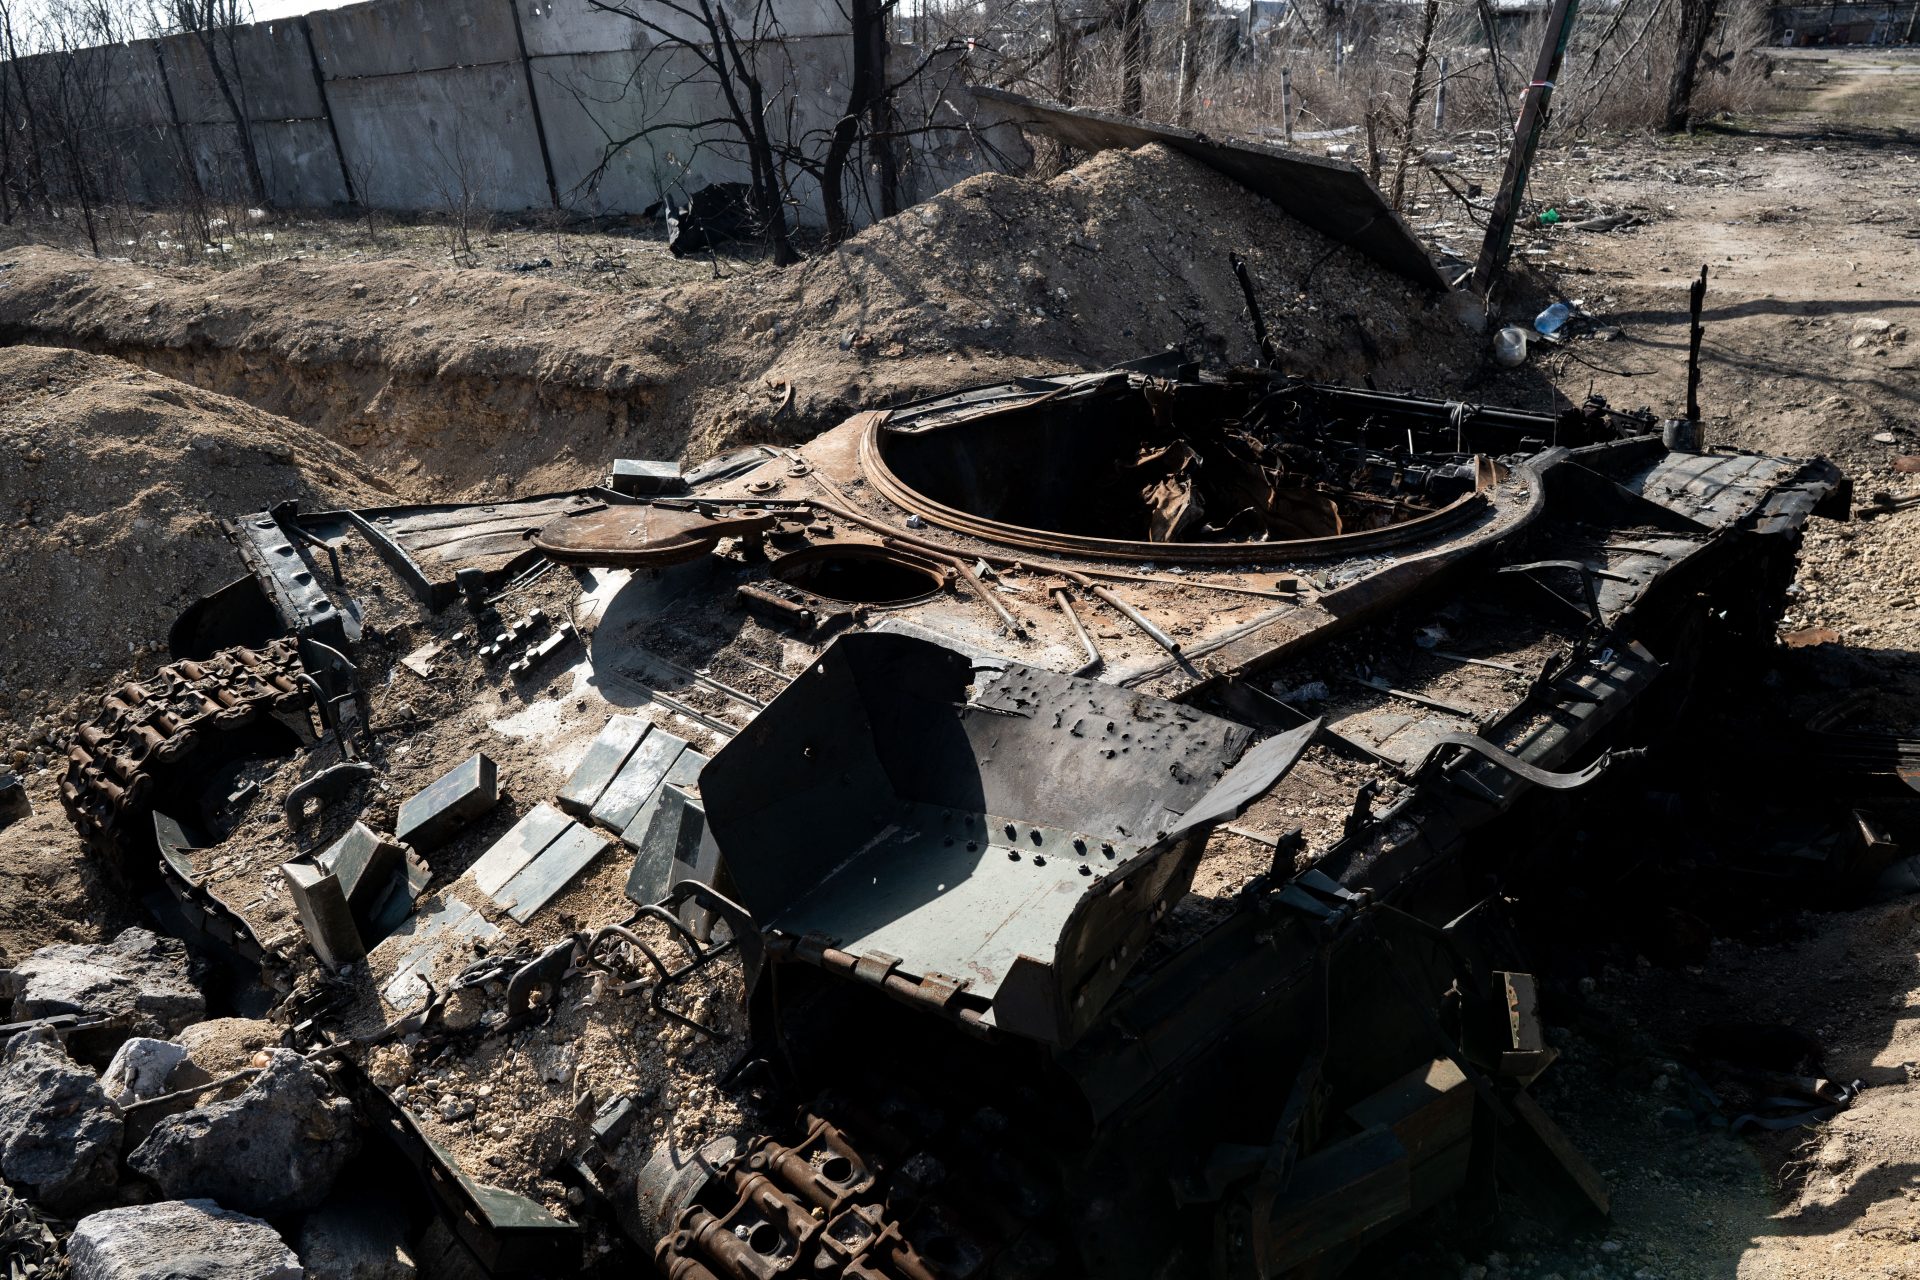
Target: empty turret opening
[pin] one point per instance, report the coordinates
(1138, 463)
(860, 574)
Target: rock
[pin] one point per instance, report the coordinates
(59, 1135)
(275, 1149)
(178, 1240)
(137, 976)
(141, 1069)
(364, 1238)
(221, 1045)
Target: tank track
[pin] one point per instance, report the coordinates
(149, 734)
(146, 727)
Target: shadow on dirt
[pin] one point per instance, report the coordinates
(1716, 929)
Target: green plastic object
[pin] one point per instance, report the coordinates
(1549, 216)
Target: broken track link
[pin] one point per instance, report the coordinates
(816, 1208)
(914, 1198)
(150, 727)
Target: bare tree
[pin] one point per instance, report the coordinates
(1416, 94)
(729, 62)
(1696, 23)
(31, 180)
(216, 24)
(83, 41)
(465, 179)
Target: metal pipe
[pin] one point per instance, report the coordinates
(980, 589)
(1131, 614)
(1093, 653)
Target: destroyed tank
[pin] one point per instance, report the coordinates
(1116, 876)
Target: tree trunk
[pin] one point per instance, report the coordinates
(846, 130)
(1133, 57)
(35, 166)
(1415, 94)
(1189, 65)
(1065, 41)
(255, 182)
(1696, 23)
(870, 47)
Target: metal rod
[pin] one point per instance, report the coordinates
(1093, 653)
(1132, 615)
(647, 655)
(1526, 139)
(980, 589)
(1382, 686)
(1258, 321)
(1482, 662)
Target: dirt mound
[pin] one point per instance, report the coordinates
(1124, 256)
(110, 478)
(454, 382)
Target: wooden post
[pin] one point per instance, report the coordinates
(1526, 138)
(1286, 103)
(1695, 296)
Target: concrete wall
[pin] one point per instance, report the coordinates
(507, 104)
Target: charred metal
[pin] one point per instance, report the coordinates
(934, 729)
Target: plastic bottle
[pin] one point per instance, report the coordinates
(1549, 322)
(1510, 346)
(1549, 216)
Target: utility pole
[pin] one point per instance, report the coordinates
(1526, 139)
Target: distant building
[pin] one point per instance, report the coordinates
(1868, 22)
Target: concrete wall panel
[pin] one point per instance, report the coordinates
(420, 136)
(575, 26)
(391, 37)
(217, 161)
(299, 164)
(429, 96)
(195, 91)
(591, 101)
(154, 172)
(278, 72)
(133, 93)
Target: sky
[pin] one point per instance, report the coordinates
(263, 10)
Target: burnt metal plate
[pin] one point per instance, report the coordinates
(1331, 197)
(640, 536)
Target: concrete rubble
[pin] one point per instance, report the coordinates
(275, 1149)
(59, 1134)
(141, 1068)
(139, 978)
(179, 1240)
